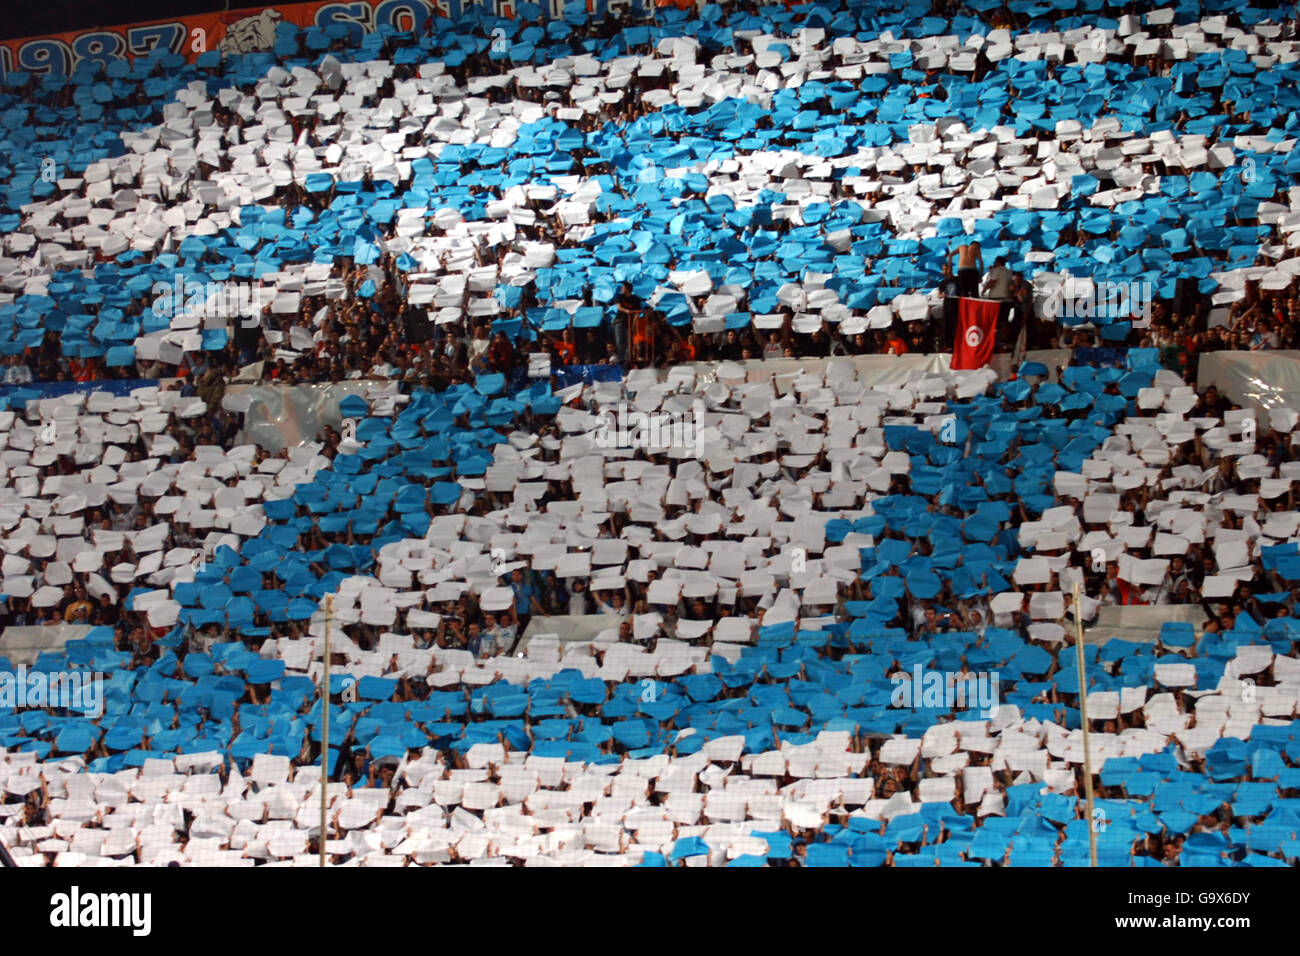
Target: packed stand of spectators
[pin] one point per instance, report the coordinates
(767, 586)
(452, 751)
(364, 336)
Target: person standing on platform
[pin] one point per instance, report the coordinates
(970, 269)
(998, 285)
(948, 289)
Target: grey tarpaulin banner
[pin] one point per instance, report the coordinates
(1140, 622)
(1261, 380)
(283, 416)
(570, 627)
(22, 645)
(1054, 359)
(877, 369)
(886, 369)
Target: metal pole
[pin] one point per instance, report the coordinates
(325, 728)
(1083, 713)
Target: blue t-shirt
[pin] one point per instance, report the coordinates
(523, 597)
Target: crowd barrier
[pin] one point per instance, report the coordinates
(12, 396)
(283, 416)
(22, 645)
(587, 374)
(885, 369)
(1106, 357)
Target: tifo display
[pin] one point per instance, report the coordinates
(839, 434)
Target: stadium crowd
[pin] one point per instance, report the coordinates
(765, 588)
(353, 336)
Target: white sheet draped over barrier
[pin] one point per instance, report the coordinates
(1140, 622)
(283, 416)
(1261, 380)
(569, 627)
(882, 370)
(22, 645)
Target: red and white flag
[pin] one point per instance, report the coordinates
(977, 322)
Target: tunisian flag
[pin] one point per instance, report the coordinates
(977, 320)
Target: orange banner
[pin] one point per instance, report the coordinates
(246, 31)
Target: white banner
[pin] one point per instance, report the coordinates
(1261, 380)
(22, 645)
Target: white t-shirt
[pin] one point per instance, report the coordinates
(999, 283)
(496, 640)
